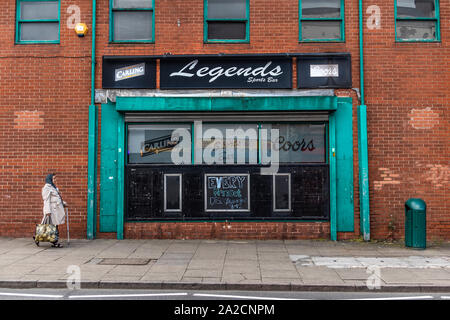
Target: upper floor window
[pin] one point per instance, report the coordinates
(321, 20)
(417, 20)
(37, 21)
(132, 20)
(226, 21)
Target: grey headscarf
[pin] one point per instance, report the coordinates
(49, 180)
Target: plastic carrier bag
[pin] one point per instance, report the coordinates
(46, 231)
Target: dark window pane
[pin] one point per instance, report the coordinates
(155, 143)
(321, 8)
(230, 143)
(226, 30)
(133, 25)
(416, 30)
(226, 9)
(39, 31)
(172, 192)
(281, 192)
(321, 30)
(133, 3)
(296, 143)
(415, 8)
(39, 10)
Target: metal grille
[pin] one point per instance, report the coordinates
(145, 193)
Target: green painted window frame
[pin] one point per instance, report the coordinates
(246, 20)
(20, 21)
(111, 22)
(436, 19)
(341, 19)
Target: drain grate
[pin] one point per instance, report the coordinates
(125, 261)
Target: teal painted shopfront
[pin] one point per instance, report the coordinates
(211, 155)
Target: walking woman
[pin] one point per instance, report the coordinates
(53, 204)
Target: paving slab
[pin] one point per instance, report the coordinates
(167, 268)
(137, 271)
(318, 275)
(353, 273)
(164, 277)
(203, 273)
(401, 276)
(279, 274)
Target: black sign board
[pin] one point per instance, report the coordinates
(129, 73)
(227, 72)
(324, 71)
(227, 192)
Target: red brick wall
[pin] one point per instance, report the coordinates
(45, 94)
(44, 99)
(408, 99)
(228, 230)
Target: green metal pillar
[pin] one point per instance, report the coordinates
(120, 176)
(362, 142)
(333, 193)
(92, 144)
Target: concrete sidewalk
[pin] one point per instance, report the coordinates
(303, 265)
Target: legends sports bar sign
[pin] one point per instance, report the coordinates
(227, 72)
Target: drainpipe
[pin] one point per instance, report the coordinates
(362, 142)
(92, 144)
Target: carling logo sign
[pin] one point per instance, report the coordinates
(226, 72)
(130, 72)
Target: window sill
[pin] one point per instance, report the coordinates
(37, 42)
(132, 42)
(226, 42)
(321, 41)
(417, 41)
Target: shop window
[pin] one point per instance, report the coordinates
(159, 144)
(173, 192)
(230, 143)
(321, 20)
(226, 20)
(417, 20)
(132, 20)
(227, 143)
(282, 192)
(296, 143)
(37, 21)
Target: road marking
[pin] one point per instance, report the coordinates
(128, 295)
(30, 295)
(240, 297)
(397, 298)
(445, 297)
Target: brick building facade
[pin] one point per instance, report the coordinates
(46, 96)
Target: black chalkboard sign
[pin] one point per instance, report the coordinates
(227, 192)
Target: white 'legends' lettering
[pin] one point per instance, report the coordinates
(217, 72)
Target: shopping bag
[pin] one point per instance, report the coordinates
(46, 231)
